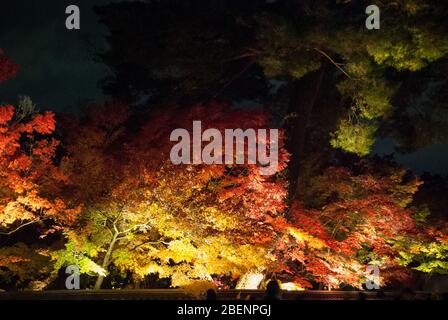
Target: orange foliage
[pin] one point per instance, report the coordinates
(29, 178)
(360, 215)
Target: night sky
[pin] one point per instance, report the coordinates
(58, 71)
(56, 65)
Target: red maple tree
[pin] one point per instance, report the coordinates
(361, 219)
(29, 177)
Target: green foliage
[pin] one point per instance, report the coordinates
(371, 97)
(78, 252)
(421, 215)
(299, 66)
(356, 138)
(430, 257)
(283, 54)
(195, 223)
(409, 48)
(285, 41)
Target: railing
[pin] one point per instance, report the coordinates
(178, 294)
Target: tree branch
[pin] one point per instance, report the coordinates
(19, 227)
(337, 65)
(241, 56)
(134, 227)
(236, 76)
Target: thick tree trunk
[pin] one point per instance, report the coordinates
(106, 261)
(304, 95)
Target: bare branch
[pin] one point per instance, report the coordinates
(114, 224)
(19, 227)
(241, 56)
(236, 76)
(337, 65)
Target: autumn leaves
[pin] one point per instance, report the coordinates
(30, 181)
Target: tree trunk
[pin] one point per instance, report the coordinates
(304, 95)
(106, 262)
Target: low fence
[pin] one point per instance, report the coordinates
(177, 294)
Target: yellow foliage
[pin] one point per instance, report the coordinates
(291, 286)
(181, 251)
(304, 237)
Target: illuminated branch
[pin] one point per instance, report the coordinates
(133, 228)
(337, 65)
(19, 227)
(242, 56)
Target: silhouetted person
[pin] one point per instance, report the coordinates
(211, 295)
(273, 291)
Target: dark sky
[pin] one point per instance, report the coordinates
(56, 66)
(58, 72)
(432, 159)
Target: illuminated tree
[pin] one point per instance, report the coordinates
(31, 186)
(324, 76)
(330, 83)
(29, 180)
(353, 220)
(184, 222)
(23, 266)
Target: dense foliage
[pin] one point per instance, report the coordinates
(101, 192)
